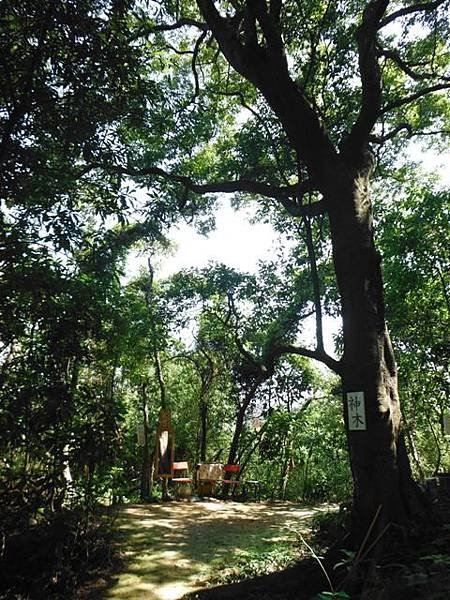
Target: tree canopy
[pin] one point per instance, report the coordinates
(120, 119)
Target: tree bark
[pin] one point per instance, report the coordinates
(238, 427)
(203, 428)
(146, 471)
(240, 417)
(286, 467)
(380, 466)
(154, 349)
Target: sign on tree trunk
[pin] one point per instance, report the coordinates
(356, 411)
(140, 434)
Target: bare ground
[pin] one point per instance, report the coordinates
(173, 549)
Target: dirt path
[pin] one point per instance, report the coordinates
(172, 549)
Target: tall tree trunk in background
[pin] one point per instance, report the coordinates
(413, 449)
(203, 410)
(154, 343)
(164, 406)
(238, 428)
(147, 462)
(208, 372)
(286, 467)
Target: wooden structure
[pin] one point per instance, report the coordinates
(165, 446)
(182, 466)
(208, 475)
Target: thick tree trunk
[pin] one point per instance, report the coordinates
(380, 466)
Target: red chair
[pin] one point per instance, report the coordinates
(231, 477)
(183, 484)
(181, 466)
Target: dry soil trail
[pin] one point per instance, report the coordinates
(171, 549)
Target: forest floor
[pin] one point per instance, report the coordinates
(171, 549)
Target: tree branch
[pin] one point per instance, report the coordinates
(377, 139)
(226, 187)
(370, 77)
(314, 209)
(265, 66)
(315, 284)
(424, 92)
(258, 368)
(408, 10)
(406, 68)
(269, 25)
(146, 29)
(283, 194)
(320, 355)
(198, 43)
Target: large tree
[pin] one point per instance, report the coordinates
(284, 101)
(323, 83)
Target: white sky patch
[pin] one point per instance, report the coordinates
(432, 162)
(235, 242)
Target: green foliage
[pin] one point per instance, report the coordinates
(333, 595)
(312, 443)
(254, 563)
(95, 96)
(438, 559)
(415, 227)
(59, 554)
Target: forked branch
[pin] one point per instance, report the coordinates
(320, 355)
(146, 29)
(370, 76)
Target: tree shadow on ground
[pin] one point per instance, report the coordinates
(168, 550)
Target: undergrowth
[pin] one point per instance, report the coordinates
(252, 563)
(54, 556)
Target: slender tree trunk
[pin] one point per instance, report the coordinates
(287, 465)
(238, 427)
(380, 466)
(306, 486)
(438, 448)
(413, 449)
(146, 471)
(240, 417)
(154, 347)
(203, 428)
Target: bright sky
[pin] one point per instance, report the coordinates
(235, 242)
(240, 244)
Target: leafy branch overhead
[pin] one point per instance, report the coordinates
(336, 83)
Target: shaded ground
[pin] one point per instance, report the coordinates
(175, 548)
